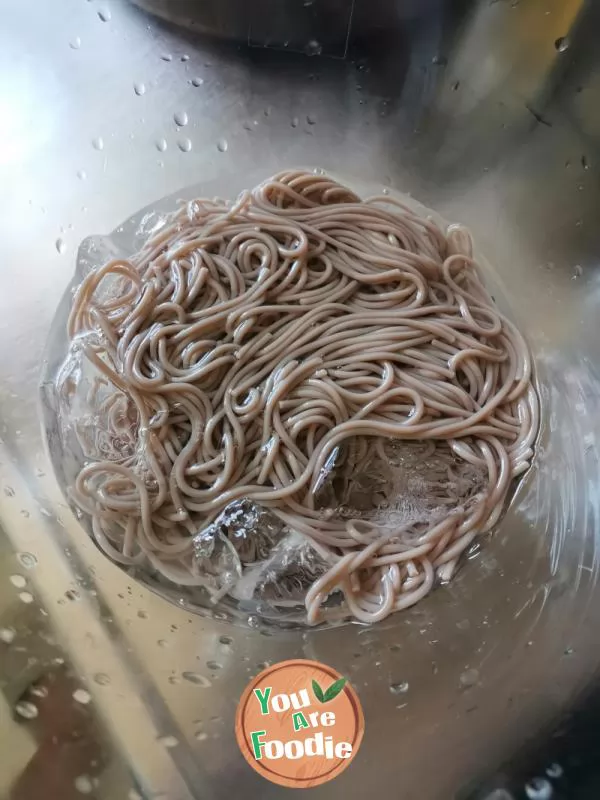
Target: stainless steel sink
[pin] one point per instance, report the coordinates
(484, 111)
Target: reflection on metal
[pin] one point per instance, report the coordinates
(470, 107)
(314, 28)
(51, 743)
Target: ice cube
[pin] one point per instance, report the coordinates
(216, 560)
(284, 578)
(252, 529)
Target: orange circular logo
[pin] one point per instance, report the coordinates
(299, 723)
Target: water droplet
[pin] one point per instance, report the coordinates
(83, 784)
(184, 145)
(9, 491)
(27, 560)
(577, 273)
(539, 789)
(226, 640)
(294, 122)
(7, 635)
(162, 643)
(584, 162)
(18, 581)
(181, 118)
(311, 119)
(554, 771)
(60, 245)
(168, 741)
(197, 82)
(161, 145)
(98, 143)
(105, 15)
(399, 688)
(313, 48)
(185, 57)
(201, 736)
(142, 614)
(81, 174)
(569, 651)
(81, 696)
(197, 679)
(26, 597)
(166, 57)
(72, 595)
(468, 678)
(102, 679)
(39, 691)
(25, 513)
(222, 145)
(133, 795)
(75, 43)
(308, 3)
(562, 44)
(26, 710)
(139, 89)
(253, 621)
(213, 665)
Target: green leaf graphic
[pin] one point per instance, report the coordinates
(318, 691)
(334, 690)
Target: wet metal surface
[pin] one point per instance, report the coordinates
(482, 110)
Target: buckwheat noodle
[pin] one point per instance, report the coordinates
(247, 348)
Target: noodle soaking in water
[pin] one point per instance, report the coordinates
(302, 398)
